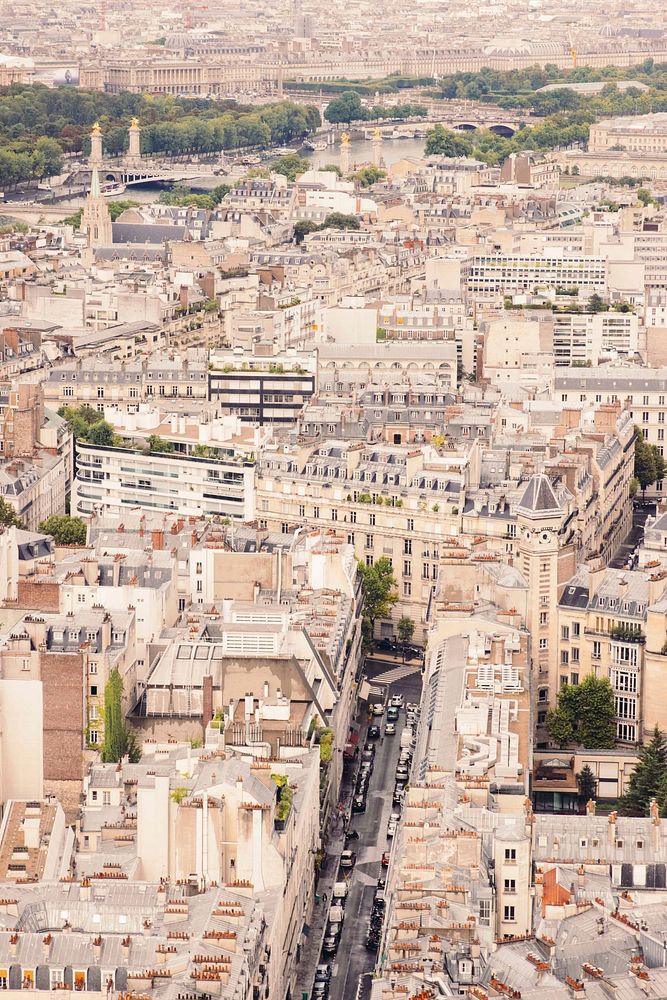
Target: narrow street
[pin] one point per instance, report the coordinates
(352, 958)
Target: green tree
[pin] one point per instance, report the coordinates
(587, 784)
(290, 166)
(659, 463)
(405, 629)
(338, 220)
(644, 196)
(302, 228)
(648, 778)
(443, 142)
(645, 467)
(584, 714)
(559, 727)
(595, 304)
(366, 176)
(346, 108)
(8, 516)
(101, 434)
(380, 594)
(118, 741)
(156, 443)
(64, 529)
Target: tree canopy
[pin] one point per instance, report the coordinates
(65, 530)
(380, 593)
(649, 463)
(8, 516)
(649, 778)
(584, 714)
(118, 741)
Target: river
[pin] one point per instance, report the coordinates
(361, 151)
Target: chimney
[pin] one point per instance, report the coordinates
(227, 604)
(207, 700)
(157, 539)
(611, 827)
(656, 831)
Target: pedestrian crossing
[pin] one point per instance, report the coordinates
(397, 674)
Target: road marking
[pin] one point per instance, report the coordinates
(397, 674)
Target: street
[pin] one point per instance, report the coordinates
(352, 958)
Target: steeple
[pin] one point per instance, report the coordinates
(95, 219)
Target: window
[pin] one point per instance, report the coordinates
(371, 520)
(407, 588)
(544, 643)
(199, 568)
(596, 649)
(200, 586)
(508, 914)
(565, 632)
(94, 738)
(407, 546)
(574, 678)
(350, 538)
(425, 571)
(369, 560)
(407, 567)
(134, 392)
(510, 885)
(411, 524)
(353, 516)
(93, 690)
(576, 629)
(575, 654)
(106, 798)
(510, 854)
(544, 617)
(334, 514)
(485, 912)
(100, 392)
(68, 391)
(302, 510)
(93, 668)
(316, 512)
(369, 541)
(564, 657)
(284, 528)
(94, 795)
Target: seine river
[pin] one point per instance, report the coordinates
(361, 151)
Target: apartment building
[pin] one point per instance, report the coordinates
(262, 389)
(193, 469)
(507, 273)
(585, 339)
(640, 391)
(122, 385)
(343, 369)
(397, 501)
(645, 134)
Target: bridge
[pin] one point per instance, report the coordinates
(505, 126)
(133, 169)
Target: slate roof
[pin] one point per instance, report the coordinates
(539, 497)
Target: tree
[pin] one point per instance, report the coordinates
(118, 741)
(443, 142)
(8, 516)
(156, 443)
(302, 228)
(584, 714)
(338, 220)
(405, 629)
(101, 434)
(366, 176)
(660, 466)
(380, 593)
(290, 166)
(645, 467)
(644, 196)
(65, 530)
(346, 108)
(595, 304)
(648, 777)
(587, 784)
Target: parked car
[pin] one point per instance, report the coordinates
(391, 828)
(370, 748)
(374, 733)
(348, 859)
(382, 883)
(396, 701)
(330, 944)
(385, 859)
(390, 729)
(339, 894)
(323, 973)
(412, 707)
(386, 644)
(359, 804)
(320, 991)
(402, 773)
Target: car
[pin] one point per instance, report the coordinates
(370, 748)
(378, 708)
(323, 973)
(381, 883)
(391, 828)
(390, 729)
(411, 707)
(401, 774)
(348, 859)
(392, 714)
(396, 701)
(374, 733)
(385, 859)
(359, 804)
(368, 758)
(395, 817)
(329, 945)
(320, 991)
(386, 644)
(373, 942)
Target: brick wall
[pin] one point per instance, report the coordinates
(33, 596)
(63, 695)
